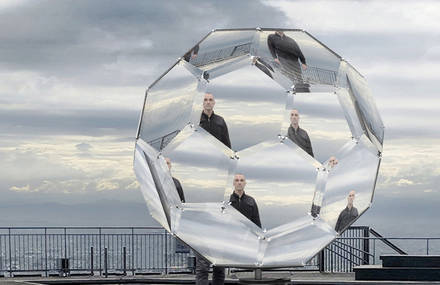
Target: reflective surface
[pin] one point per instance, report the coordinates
(353, 178)
(283, 113)
(170, 105)
(280, 176)
(201, 163)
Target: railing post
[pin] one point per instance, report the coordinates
(91, 261)
(45, 251)
(321, 261)
(100, 253)
(10, 253)
(132, 251)
(166, 252)
(366, 257)
(105, 262)
(65, 243)
(124, 260)
(427, 246)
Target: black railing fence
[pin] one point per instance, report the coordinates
(143, 250)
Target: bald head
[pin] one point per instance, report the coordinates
(294, 118)
(208, 103)
(239, 183)
(350, 198)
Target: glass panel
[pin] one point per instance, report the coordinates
(350, 184)
(169, 106)
(350, 112)
(251, 103)
(294, 244)
(221, 47)
(365, 102)
(148, 188)
(201, 163)
(164, 185)
(219, 232)
(280, 177)
(323, 121)
(301, 58)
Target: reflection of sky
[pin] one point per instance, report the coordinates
(169, 104)
(201, 167)
(355, 171)
(251, 104)
(277, 176)
(322, 117)
(219, 40)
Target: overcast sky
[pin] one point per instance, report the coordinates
(73, 76)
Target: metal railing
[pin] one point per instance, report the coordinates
(93, 250)
(144, 250)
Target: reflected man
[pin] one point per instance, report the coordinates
(298, 135)
(244, 203)
(348, 214)
(287, 53)
(213, 123)
(176, 182)
(192, 53)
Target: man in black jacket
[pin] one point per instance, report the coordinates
(244, 203)
(298, 135)
(348, 214)
(287, 54)
(213, 123)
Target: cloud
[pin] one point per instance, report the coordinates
(361, 16)
(25, 188)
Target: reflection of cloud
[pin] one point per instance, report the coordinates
(403, 182)
(104, 185)
(25, 188)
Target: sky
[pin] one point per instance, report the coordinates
(73, 76)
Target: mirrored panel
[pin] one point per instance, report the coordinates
(200, 163)
(220, 47)
(279, 177)
(169, 106)
(218, 232)
(148, 188)
(350, 112)
(301, 58)
(317, 124)
(364, 101)
(350, 184)
(294, 244)
(251, 104)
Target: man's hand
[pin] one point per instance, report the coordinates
(304, 66)
(277, 60)
(194, 55)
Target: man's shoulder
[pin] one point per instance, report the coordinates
(218, 117)
(250, 199)
(302, 131)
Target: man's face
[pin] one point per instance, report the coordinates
(350, 197)
(294, 117)
(208, 102)
(280, 33)
(168, 163)
(239, 182)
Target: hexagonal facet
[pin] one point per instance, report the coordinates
(297, 121)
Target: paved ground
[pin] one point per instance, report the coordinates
(295, 277)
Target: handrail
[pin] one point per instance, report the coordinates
(387, 242)
(354, 248)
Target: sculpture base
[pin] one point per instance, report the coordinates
(277, 281)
